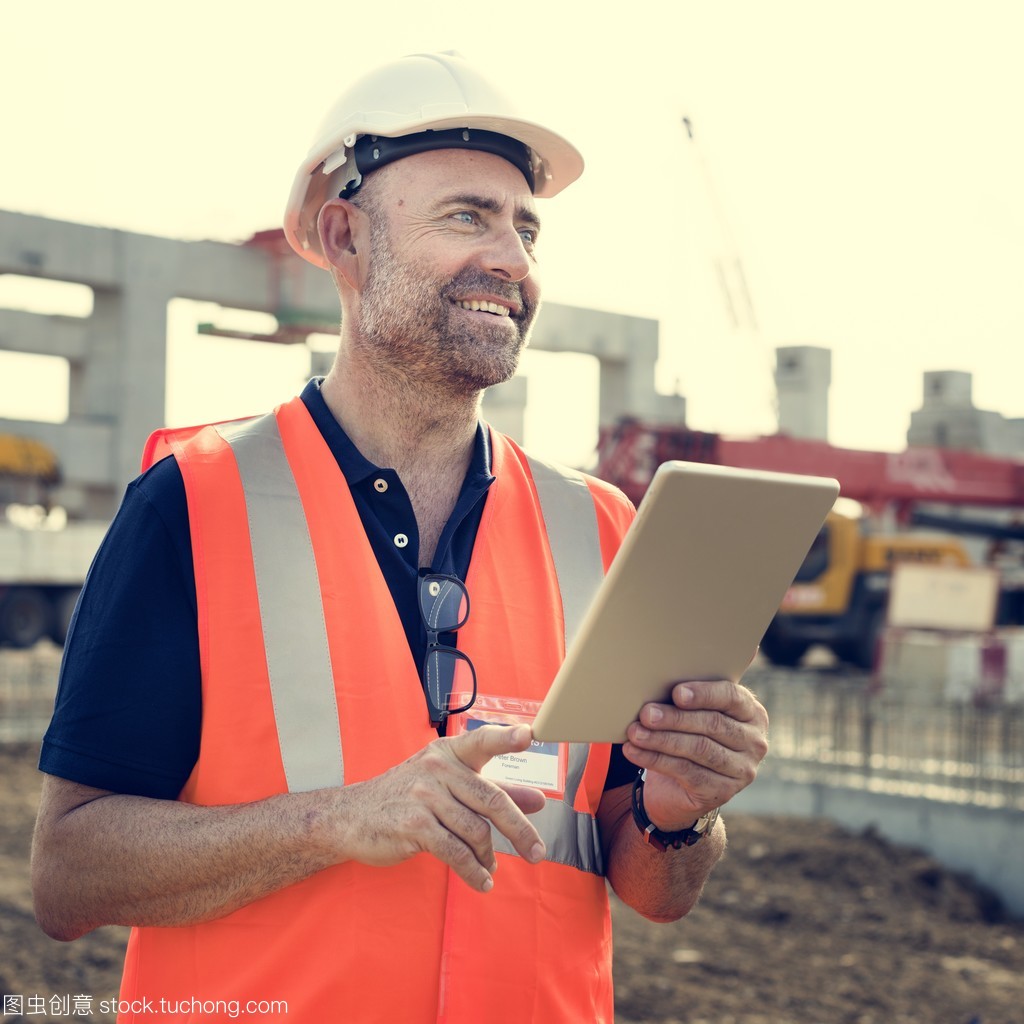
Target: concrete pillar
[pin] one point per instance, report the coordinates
(947, 417)
(948, 389)
(803, 374)
(126, 371)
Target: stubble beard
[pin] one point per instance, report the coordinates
(409, 324)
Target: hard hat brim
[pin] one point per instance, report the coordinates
(557, 164)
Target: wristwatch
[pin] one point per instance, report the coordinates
(664, 840)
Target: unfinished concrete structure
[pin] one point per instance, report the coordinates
(948, 418)
(117, 356)
(803, 375)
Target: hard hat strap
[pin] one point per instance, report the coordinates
(374, 151)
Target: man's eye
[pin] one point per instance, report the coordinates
(528, 235)
(465, 217)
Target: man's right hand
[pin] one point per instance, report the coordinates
(437, 802)
(107, 858)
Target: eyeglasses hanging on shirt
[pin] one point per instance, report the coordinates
(444, 608)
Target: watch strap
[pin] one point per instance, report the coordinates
(666, 840)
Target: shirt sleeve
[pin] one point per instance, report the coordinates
(621, 772)
(128, 709)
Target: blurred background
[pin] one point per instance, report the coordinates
(798, 245)
(859, 162)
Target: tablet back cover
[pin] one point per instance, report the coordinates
(698, 578)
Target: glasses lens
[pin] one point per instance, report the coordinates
(447, 671)
(444, 603)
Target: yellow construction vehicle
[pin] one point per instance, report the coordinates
(43, 558)
(840, 593)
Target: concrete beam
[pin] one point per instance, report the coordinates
(246, 278)
(226, 273)
(249, 278)
(83, 447)
(118, 354)
(609, 336)
(64, 336)
(55, 249)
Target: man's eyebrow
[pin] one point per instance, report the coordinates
(526, 216)
(490, 204)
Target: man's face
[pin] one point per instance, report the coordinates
(451, 291)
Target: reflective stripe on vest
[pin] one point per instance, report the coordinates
(571, 523)
(295, 636)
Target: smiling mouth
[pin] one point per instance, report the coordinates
(483, 307)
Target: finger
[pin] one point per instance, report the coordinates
(473, 862)
(678, 754)
(474, 749)
(528, 799)
(470, 823)
(678, 786)
(471, 831)
(491, 801)
(663, 727)
(474, 829)
(730, 698)
(699, 757)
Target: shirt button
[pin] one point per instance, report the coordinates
(401, 540)
(380, 485)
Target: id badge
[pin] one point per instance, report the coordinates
(541, 765)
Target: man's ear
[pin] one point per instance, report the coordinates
(344, 238)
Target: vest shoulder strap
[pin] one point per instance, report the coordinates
(570, 518)
(166, 440)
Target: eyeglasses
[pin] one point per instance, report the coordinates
(444, 608)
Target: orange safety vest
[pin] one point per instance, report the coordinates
(308, 681)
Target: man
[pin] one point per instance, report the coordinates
(336, 612)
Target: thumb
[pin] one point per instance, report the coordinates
(474, 749)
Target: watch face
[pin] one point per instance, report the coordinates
(707, 823)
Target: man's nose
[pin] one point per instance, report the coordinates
(507, 257)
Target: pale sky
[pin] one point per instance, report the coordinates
(863, 161)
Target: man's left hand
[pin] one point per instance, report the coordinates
(699, 751)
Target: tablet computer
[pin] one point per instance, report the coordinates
(695, 584)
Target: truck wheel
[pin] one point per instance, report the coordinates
(24, 617)
(63, 609)
(783, 653)
(863, 650)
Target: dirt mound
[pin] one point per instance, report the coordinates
(801, 923)
(805, 922)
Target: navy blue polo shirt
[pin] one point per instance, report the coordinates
(128, 710)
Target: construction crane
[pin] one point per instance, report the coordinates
(729, 271)
(728, 267)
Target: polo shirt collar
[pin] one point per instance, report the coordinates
(356, 467)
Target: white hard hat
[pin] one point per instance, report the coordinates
(427, 101)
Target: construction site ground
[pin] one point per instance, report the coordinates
(801, 923)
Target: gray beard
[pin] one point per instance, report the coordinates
(410, 324)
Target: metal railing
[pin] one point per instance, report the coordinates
(827, 725)
(856, 730)
(28, 685)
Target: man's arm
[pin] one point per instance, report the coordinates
(103, 858)
(699, 752)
